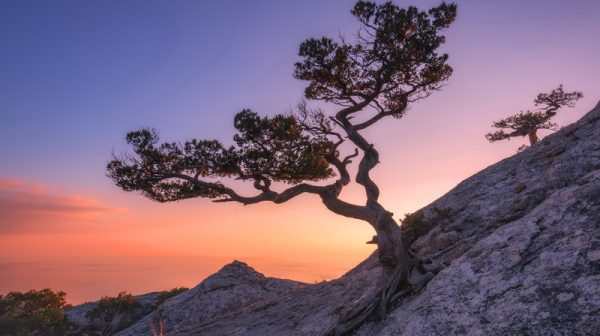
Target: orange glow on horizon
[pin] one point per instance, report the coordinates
(74, 236)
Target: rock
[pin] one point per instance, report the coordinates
(530, 265)
(518, 242)
(229, 292)
(530, 276)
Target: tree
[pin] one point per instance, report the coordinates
(393, 61)
(33, 313)
(528, 123)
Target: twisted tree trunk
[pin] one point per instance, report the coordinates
(401, 275)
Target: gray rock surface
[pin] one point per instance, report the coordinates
(519, 243)
(524, 256)
(225, 294)
(538, 275)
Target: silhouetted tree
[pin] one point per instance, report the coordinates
(528, 123)
(393, 61)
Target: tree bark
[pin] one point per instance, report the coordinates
(401, 275)
(533, 139)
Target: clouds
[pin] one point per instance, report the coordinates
(27, 207)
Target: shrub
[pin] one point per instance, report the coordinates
(114, 313)
(33, 313)
(165, 295)
(415, 223)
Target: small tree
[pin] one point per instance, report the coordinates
(528, 123)
(393, 62)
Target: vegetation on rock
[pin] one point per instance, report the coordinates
(415, 223)
(112, 314)
(165, 295)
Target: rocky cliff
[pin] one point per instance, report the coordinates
(518, 245)
(522, 247)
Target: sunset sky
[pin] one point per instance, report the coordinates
(75, 76)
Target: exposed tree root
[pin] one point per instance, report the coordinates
(402, 275)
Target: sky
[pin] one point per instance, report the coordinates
(75, 76)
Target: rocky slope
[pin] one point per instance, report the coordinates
(225, 294)
(519, 244)
(527, 231)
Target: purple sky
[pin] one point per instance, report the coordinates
(76, 75)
